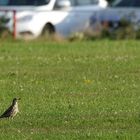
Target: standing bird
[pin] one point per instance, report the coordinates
(12, 110)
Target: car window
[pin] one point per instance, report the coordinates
(73, 2)
(126, 3)
(83, 2)
(3, 2)
(23, 2)
(78, 3)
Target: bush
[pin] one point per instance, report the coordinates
(124, 30)
(4, 34)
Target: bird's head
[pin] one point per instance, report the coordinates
(15, 100)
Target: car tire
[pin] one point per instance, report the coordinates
(48, 30)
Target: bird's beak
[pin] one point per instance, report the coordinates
(19, 98)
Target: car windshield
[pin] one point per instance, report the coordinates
(126, 3)
(23, 2)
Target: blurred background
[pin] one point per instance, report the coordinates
(70, 19)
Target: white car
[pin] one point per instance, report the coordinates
(36, 17)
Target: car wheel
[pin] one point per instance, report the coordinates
(48, 30)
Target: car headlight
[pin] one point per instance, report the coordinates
(25, 18)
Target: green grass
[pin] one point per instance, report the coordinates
(71, 91)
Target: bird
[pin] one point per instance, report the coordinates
(12, 110)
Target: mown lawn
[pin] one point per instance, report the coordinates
(71, 91)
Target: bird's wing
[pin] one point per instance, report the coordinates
(7, 112)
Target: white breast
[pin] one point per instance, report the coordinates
(15, 110)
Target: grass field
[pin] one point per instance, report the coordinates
(71, 91)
